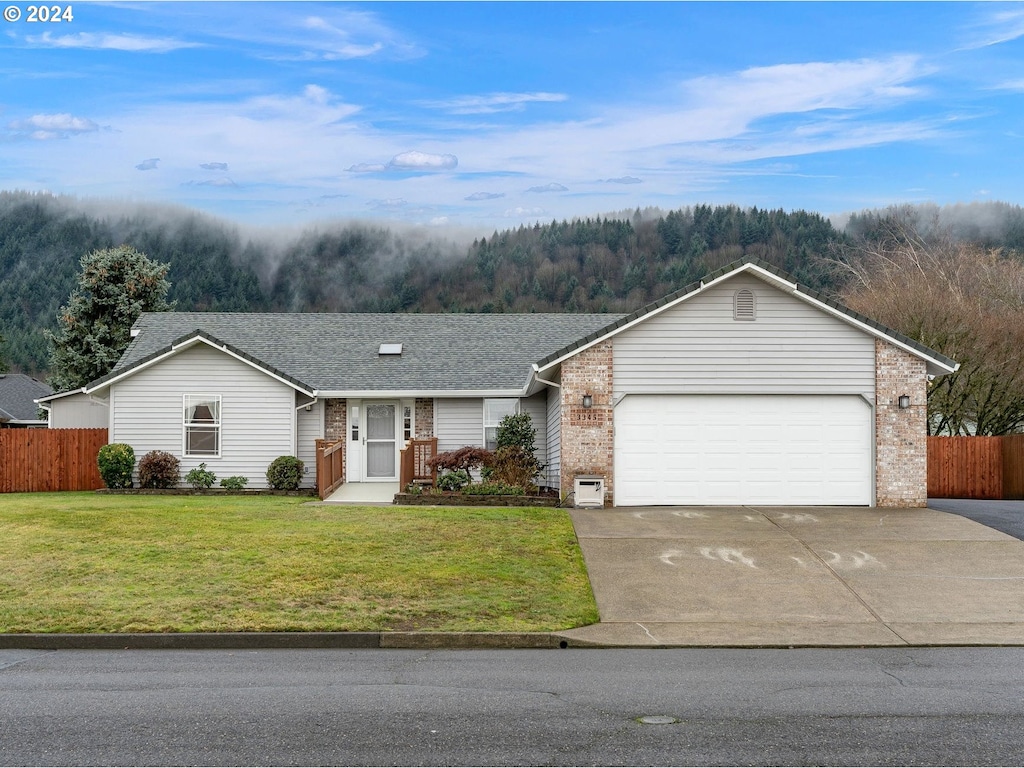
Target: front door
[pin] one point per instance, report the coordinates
(381, 442)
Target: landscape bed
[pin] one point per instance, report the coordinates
(85, 562)
(473, 500)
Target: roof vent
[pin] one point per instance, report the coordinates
(390, 349)
(744, 305)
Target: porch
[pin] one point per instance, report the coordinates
(414, 469)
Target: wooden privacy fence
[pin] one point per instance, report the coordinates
(50, 459)
(976, 467)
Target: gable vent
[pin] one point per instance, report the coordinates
(744, 305)
(390, 349)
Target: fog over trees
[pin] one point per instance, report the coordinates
(608, 263)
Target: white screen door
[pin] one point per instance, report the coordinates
(380, 441)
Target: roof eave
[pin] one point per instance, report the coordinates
(396, 394)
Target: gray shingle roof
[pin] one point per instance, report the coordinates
(441, 352)
(339, 352)
(17, 393)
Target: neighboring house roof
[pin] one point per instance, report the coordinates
(18, 395)
(340, 353)
(937, 363)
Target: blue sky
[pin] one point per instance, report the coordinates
(488, 115)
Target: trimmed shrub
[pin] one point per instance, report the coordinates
(159, 469)
(517, 429)
(453, 481)
(285, 473)
(514, 466)
(200, 478)
(234, 483)
(116, 462)
(493, 489)
(515, 459)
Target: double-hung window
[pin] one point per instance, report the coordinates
(202, 425)
(496, 409)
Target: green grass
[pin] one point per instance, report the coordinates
(84, 562)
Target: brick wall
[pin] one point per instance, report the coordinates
(424, 417)
(588, 433)
(336, 422)
(901, 446)
(335, 418)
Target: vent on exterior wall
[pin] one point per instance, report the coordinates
(744, 306)
(390, 349)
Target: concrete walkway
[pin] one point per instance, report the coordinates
(774, 576)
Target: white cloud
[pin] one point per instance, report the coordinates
(148, 165)
(1010, 85)
(58, 126)
(422, 161)
(625, 180)
(223, 181)
(390, 204)
(333, 34)
(1002, 26)
(492, 103)
(794, 88)
(367, 168)
(214, 166)
(484, 196)
(520, 211)
(550, 187)
(131, 43)
(314, 104)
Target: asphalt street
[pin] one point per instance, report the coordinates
(1005, 516)
(882, 706)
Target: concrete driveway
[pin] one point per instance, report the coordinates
(822, 576)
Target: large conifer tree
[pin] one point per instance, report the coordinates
(115, 286)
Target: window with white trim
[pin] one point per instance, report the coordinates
(202, 425)
(496, 409)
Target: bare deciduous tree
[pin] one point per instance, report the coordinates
(962, 301)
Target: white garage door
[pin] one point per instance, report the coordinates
(742, 449)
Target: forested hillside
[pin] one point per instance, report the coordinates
(611, 264)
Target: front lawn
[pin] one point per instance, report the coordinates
(84, 562)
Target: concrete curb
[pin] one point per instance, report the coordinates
(271, 640)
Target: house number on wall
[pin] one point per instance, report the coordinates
(586, 417)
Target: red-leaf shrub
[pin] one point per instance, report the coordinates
(159, 469)
(468, 458)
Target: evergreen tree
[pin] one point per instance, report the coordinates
(3, 360)
(115, 286)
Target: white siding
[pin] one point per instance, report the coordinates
(78, 412)
(310, 426)
(257, 412)
(458, 422)
(698, 348)
(537, 408)
(554, 437)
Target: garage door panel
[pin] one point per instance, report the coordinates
(719, 449)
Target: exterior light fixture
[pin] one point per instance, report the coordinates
(588, 401)
(904, 401)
